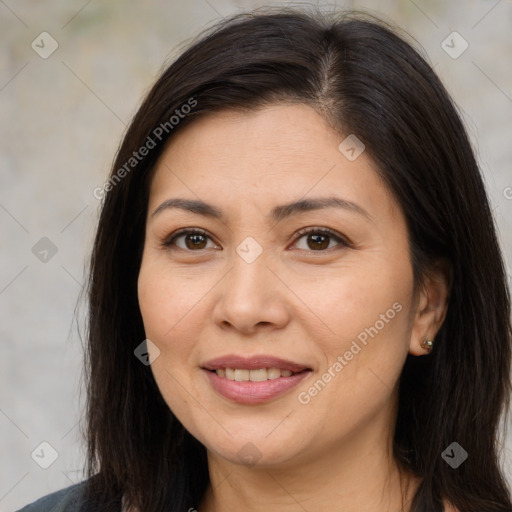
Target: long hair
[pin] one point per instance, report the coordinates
(364, 78)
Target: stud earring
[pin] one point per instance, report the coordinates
(427, 344)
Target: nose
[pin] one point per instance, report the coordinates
(251, 297)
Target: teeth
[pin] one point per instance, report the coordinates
(241, 375)
(259, 375)
(273, 373)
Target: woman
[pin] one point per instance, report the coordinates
(297, 297)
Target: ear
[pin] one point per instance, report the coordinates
(432, 304)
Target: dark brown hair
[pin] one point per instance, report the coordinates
(365, 79)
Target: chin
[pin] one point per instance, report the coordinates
(255, 451)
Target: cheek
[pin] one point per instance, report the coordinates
(369, 301)
(172, 304)
(166, 301)
(367, 313)
(153, 304)
(161, 313)
(166, 306)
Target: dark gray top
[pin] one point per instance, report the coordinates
(69, 499)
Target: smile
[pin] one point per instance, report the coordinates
(253, 379)
(258, 375)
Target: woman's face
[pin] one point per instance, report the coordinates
(252, 294)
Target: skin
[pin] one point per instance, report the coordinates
(294, 301)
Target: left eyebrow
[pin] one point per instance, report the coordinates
(281, 212)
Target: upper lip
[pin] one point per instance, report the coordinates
(253, 363)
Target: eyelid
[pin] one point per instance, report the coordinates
(342, 240)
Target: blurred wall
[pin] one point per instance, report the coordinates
(65, 99)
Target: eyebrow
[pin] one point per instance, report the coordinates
(277, 214)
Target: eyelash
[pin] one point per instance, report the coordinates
(168, 243)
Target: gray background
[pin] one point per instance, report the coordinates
(61, 121)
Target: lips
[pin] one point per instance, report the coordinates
(283, 375)
(253, 363)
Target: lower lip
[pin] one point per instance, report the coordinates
(249, 392)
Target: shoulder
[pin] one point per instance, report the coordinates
(63, 500)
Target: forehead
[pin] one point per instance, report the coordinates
(262, 157)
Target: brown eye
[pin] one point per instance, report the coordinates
(319, 239)
(195, 241)
(192, 240)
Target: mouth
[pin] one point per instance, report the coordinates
(257, 375)
(253, 380)
(255, 362)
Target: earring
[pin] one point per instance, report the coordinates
(427, 344)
